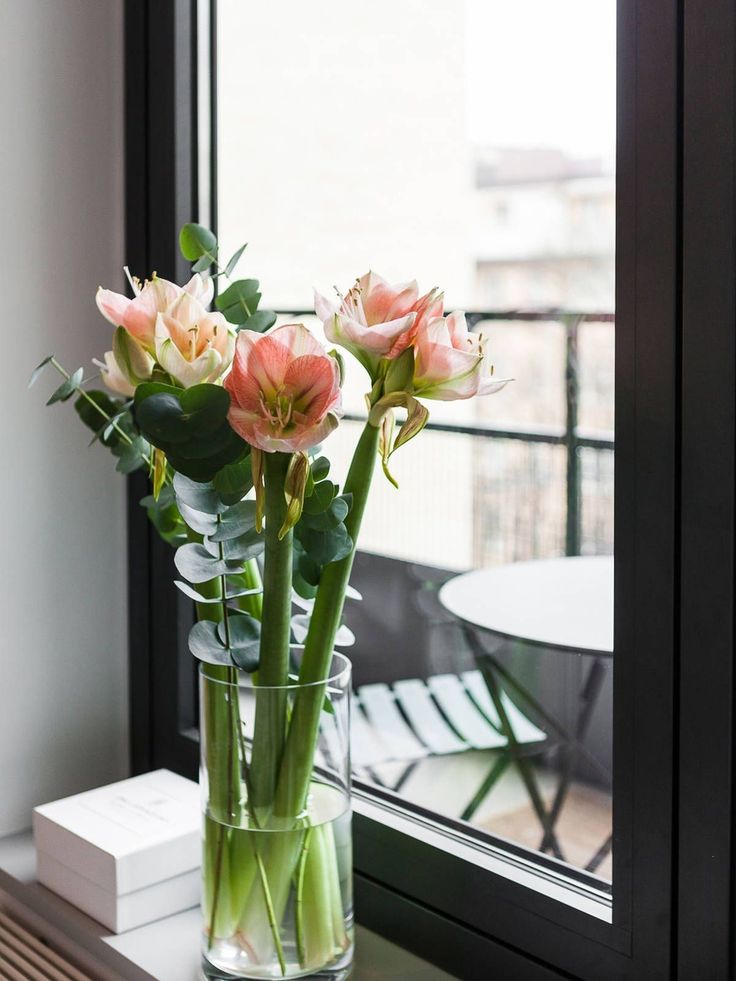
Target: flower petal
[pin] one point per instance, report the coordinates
(112, 306)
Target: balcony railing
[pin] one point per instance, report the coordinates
(569, 435)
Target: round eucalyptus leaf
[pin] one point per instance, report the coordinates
(246, 658)
(334, 515)
(309, 570)
(195, 564)
(196, 241)
(320, 468)
(321, 498)
(302, 587)
(133, 456)
(161, 417)
(236, 521)
(326, 546)
(205, 407)
(242, 549)
(203, 524)
(244, 630)
(239, 301)
(213, 600)
(260, 321)
(234, 481)
(200, 496)
(205, 644)
(245, 639)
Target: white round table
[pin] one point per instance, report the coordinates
(563, 605)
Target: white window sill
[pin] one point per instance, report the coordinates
(168, 950)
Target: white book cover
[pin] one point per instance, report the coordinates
(126, 836)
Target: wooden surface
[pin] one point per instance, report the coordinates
(562, 603)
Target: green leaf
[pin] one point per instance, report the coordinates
(198, 496)
(38, 370)
(203, 264)
(67, 388)
(234, 260)
(320, 468)
(234, 481)
(212, 600)
(309, 570)
(133, 457)
(203, 524)
(326, 546)
(239, 301)
(205, 644)
(195, 564)
(236, 521)
(248, 546)
(302, 587)
(322, 497)
(331, 517)
(190, 426)
(95, 416)
(247, 658)
(245, 639)
(196, 241)
(260, 321)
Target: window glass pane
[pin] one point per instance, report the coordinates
(468, 144)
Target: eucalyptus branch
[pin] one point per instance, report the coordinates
(147, 458)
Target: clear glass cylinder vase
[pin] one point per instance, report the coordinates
(277, 854)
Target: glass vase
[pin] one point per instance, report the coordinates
(277, 854)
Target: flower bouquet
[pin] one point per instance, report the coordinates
(226, 411)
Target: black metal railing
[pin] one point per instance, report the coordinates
(568, 435)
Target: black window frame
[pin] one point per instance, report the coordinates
(674, 563)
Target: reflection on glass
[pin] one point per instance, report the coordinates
(469, 144)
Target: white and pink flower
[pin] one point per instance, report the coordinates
(376, 320)
(169, 325)
(450, 362)
(284, 389)
(138, 316)
(192, 344)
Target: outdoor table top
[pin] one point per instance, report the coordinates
(564, 603)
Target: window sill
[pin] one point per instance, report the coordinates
(168, 950)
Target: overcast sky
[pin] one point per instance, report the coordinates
(542, 73)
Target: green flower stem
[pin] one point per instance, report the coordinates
(251, 579)
(219, 721)
(273, 670)
(296, 768)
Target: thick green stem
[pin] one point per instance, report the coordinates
(273, 670)
(296, 767)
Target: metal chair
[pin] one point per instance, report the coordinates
(414, 719)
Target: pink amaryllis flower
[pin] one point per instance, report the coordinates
(284, 389)
(138, 316)
(376, 320)
(193, 345)
(450, 362)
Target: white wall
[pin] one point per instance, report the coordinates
(63, 698)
